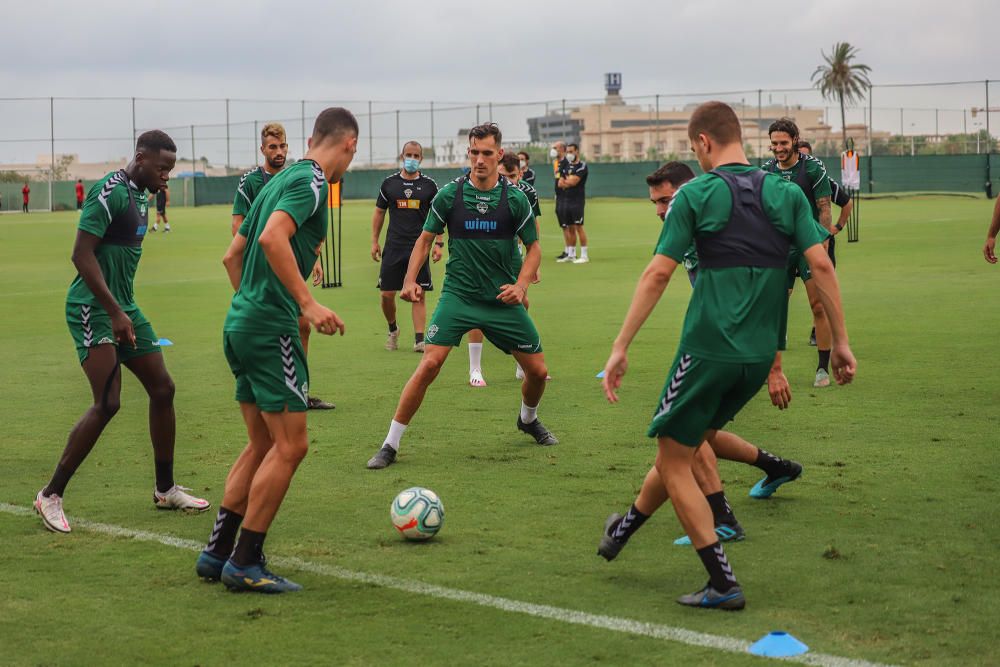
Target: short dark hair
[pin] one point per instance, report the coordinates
(510, 162)
(675, 173)
(485, 130)
(333, 123)
(804, 144)
(718, 121)
(411, 142)
(568, 146)
(522, 154)
(155, 141)
(786, 125)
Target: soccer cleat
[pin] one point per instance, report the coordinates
(822, 378)
(812, 337)
(724, 531)
(581, 260)
(709, 598)
(562, 256)
(609, 546)
(176, 499)
(255, 578)
(166, 229)
(562, 259)
(537, 430)
(419, 347)
(315, 403)
(209, 566)
(392, 340)
(51, 511)
(476, 378)
(766, 487)
(383, 458)
(153, 228)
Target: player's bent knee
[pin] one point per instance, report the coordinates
(108, 407)
(163, 392)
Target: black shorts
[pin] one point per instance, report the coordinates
(161, 211)
(393, 270)
(569, 212)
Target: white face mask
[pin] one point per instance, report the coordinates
(571, 157)
(553, 153)
(524, 165)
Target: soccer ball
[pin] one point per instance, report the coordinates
(417, 513)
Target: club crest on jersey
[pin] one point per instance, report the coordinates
(142, 209)
(408, 192)
(482, 207)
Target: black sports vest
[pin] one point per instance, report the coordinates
(481, 223)
(264, 175)
(749, 239)
(128, 228)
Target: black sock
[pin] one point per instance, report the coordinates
(164, 475)
(721, 510)
(773, 465)
(249, 548)
(392, 327)
(824, 360)
(227, 523)
(57, 485)
(720, 573)
(418, 337)
(628, 524)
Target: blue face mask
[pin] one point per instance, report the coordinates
(410, 165)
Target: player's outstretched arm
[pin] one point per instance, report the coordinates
(274, 241)
(86, 265)
(233, 260)
(378, 219)
(421, 249)
(237, 223)
(647, 294)
(990, 249)
(825, 279)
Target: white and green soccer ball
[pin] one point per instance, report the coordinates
(417, 513)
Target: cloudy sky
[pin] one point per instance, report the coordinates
(457, 51)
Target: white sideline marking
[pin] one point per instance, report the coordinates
(613, 623)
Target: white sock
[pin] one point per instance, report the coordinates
(567, 249)
(583, 251)
(475, 356)
(395, 433)
(519, 369)
(528, 415)
(572, 251)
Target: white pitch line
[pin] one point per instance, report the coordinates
(613, 623)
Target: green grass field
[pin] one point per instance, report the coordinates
(882, 551)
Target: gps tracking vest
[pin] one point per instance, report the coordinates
(480, 223)
(129, 227)
(750, 238)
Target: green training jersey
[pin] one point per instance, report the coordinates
(251, 183)
(735, 313)
(532, 194)
(811, 177)
(482, 248)
(262, 304)
(119, 219)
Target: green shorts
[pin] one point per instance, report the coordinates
(90, 326)
(508, 327)
(702, 395)
(798, 267)
(270, 370)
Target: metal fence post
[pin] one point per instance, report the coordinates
(194, 172)
(760, 124)
(657, 150)
(433, 149)
(371, 145)
(253, 142)
(133, 122)
(989, 144)
(302, 118)
(397, 131)
(228, 162)
(52, 145)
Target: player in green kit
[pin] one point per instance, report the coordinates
(284, 230)
(485, 284)
(810, 175)
(109, 329)
(743, 222)
(274, 148)
(510, 169)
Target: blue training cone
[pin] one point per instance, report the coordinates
(601, 374)
(163, 342)
(778, 645)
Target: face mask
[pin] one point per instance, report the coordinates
(571, 157)
(553, 153)
(410, 165)
(524, 165)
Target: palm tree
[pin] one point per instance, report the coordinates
(840, 79)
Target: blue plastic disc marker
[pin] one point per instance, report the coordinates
(601, 374)
(163, 342)
(778, 644)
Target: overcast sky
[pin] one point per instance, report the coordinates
(463, 51)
